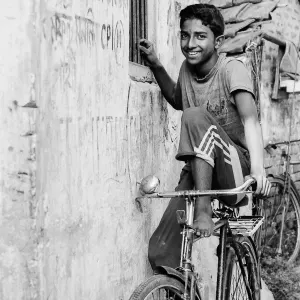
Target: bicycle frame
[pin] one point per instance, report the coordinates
(186, 265)
(185, 219)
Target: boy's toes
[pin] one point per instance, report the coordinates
(207, 233)
(200, 233)
(203, 233)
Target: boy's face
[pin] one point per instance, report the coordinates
(197, 42)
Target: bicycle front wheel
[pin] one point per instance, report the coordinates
(279, 235)
(159, 287)
(242, 276)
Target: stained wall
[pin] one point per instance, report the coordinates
(280, 118)
(79, 135)
(18, 200)
(99, 133)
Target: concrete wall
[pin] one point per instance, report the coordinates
(99, 134)
(72, 157)
(18, 235)
(277, 115)
(70, 228)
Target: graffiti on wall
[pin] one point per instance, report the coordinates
(69, 34)
(116, 3)
(82, 31)
(109, 35)
(101, 4)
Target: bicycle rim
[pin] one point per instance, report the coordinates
(159, 287)
(275, 227)
(236, 280)
(253, 266)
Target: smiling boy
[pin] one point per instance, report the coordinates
(219, 125)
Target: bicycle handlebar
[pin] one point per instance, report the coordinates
(197, 193)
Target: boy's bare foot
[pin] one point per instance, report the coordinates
(203, 224)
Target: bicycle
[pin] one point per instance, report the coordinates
(238, 274)
(280, 233)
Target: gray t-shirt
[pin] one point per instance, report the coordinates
(214, 93)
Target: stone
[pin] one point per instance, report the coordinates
(265, 293)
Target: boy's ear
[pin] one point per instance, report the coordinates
(219, 41)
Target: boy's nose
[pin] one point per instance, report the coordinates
(191, 43)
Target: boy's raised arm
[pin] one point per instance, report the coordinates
(165, 82)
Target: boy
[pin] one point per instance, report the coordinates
(219, 126)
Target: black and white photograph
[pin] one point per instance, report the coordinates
(150, 150)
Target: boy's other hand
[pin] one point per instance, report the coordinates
(263, 184)
(148, 53)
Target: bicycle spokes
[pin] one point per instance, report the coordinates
(280, 231)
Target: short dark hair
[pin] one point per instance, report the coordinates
(207, 13)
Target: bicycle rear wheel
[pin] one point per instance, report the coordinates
(242, 270)
(281, 211)
(159, 287)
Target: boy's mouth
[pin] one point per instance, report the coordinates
(192, 54)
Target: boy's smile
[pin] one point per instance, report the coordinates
(197, 42)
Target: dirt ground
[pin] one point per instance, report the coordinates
(282, 279)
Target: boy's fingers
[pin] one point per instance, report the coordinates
(265, 186)
(259, 185)
(144, 49)
(269, 188)
(145, 43)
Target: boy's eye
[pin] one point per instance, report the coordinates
(201, 36)
(183, 36)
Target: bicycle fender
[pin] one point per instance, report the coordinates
(165, 270)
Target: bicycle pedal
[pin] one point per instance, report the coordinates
(245, 225)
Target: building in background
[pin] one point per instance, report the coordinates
(81, 125)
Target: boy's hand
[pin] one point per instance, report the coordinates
(148, 53)
(263, 184)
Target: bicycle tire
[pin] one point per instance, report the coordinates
(253, 265)
(268, 236)
(235, 280)
(153, 285)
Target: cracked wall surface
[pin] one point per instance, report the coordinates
(18, 200)
(99, 133)
(77, 136)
